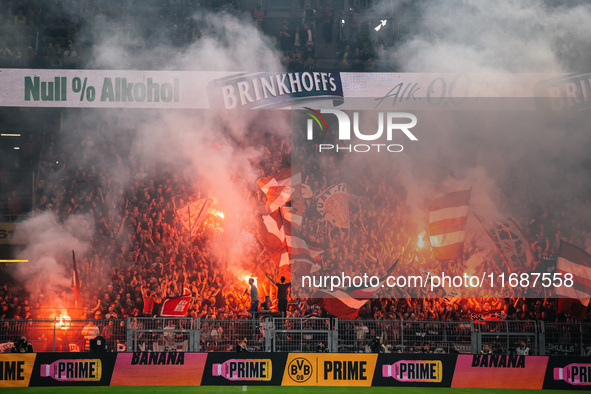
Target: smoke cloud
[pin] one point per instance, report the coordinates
(212, 152)
(480, 36)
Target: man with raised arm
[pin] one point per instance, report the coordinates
(282, 293)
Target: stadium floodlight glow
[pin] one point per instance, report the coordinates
(16, 148)
(382, 23)
(9, 135)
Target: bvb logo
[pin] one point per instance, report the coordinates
(299, 370)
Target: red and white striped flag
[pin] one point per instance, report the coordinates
(285, 246)
(577, 262)
(340, 304)
(272, 237)
(447, 224)
(279, 187)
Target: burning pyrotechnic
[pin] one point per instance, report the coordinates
(217, 213)
(421, 241)
(63, 323)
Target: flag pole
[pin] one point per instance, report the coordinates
(76, 281)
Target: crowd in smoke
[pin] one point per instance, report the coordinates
(110, 189)
(122, 223)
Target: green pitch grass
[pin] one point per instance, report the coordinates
(270, 389)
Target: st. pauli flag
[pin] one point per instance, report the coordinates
(176, 306)
(76, 282)
(511, 243)
(191, 215)
(577, 262)
(333, 205)
(340, 304)
(447, 224)
(279, 187)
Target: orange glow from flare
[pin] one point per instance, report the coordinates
(64, 321)
(217, 213)
(421, 242)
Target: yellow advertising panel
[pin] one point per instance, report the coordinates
(15, 369)
(329, 369)
(6, 231)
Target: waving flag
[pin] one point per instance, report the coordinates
(191, 215)
(271, 235)
(447, 224)
(279, 187)
(577, 262)
(333, 205)
(368, 292)
(511, 243)
(340, 304)
(176, 306)
(285, 246)
(345, 303)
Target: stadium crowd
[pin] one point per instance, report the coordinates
(141, 254)
(138, 242)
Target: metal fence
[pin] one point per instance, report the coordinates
(271, 334)
(507, 337)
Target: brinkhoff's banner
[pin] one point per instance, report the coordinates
(240, 90)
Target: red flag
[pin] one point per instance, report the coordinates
(340, 304)
(76, 282)
(186, 291)
(272, 237)
(572, 307)
(285, 246)
(447, 224)
(279, 187)
(577, 262)
(175, 307)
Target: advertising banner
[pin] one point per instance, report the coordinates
(238, 369)
(568, 373)
(240, 90)
(15, 369)
(6, 232)
(329, 369)
(499, 371)
(158, 369)
(73, 369)
(428, 370)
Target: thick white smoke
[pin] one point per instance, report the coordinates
(213, 151)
